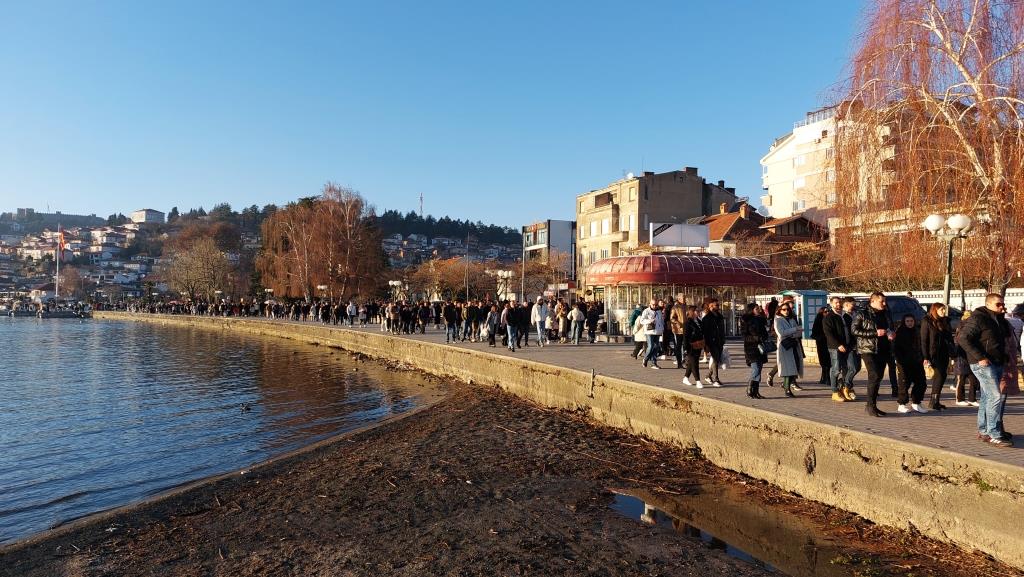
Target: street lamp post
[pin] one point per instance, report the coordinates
(948, 229)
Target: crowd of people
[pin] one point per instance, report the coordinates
(982, 353)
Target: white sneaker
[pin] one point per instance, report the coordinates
(716, 384)
(700, 385)
(973, 403)
(655, 367)
(962, 404)
(918, 408)
(686, 381)
(661, 357)
(707, 380)
(902, 409)
(952, 387)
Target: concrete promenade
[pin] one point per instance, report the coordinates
(921, 472)
(953, 429)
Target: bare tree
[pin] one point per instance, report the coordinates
(199, 270)
(932, 122)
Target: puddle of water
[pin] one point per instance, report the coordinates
(636, 508)
(724, 518)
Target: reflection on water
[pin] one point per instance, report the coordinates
(724, 518)
(98, 414)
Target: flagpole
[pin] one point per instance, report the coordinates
(56, 286)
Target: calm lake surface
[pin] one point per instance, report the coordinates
(98, 414)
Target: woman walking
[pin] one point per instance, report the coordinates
(967, 384)
(754, 329)
(906, 346)
(493, 322)
(694, 341)
(936, 349)
(790, 353)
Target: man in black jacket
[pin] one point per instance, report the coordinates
(840, 342)
(874, 345)
(983, 338)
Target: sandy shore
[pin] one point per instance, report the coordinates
(480, 483)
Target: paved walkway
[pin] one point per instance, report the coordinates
(954, 429)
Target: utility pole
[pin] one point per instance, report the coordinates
(421, 206)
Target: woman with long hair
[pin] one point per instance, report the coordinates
(694, 345)
(790, 352)
(754, 328)
(821, 344)
(937, 350)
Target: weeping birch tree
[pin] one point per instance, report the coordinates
(932, 123)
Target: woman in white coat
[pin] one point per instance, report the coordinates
(790, 352)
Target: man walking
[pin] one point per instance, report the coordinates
(539, 317)
(840, 342)
(983, 337)
(871, 328)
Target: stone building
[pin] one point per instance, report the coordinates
(615, 220)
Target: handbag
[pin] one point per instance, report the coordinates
(788, 343)
(485, 332)
(768, 347)
(697, 345)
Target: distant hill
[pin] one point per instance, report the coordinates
(392, 221)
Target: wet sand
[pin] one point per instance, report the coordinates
(480, 483)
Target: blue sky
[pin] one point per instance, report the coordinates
(495, 111)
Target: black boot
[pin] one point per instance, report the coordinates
(750, 390)
(936, 405)
(755, 387)
(872, 398)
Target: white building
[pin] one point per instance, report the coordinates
(550, 239)
(148, 216)
(798, 172)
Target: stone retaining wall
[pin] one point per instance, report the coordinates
(972, 502)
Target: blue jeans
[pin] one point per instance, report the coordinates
(577, 330)
(992, 402)
(755, 371)
(513, 334)
(542, 335)
(846, 362)
(452, 332)
(653, 349)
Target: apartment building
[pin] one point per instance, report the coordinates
(798, 172)
(615, 220)
(552, 241)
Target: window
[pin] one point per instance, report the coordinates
(830, 175)
(799, 205)
(606, 226)
(645, 223)
(632, 221)
(581, 206)
(800, 160)
(593, 229)
(824, 134)
(528, 238)
(830, 152)
(632, 193)
(830, 198)
(799, 183)
(604, 253)
(582, 229)
(542, 236)
(593, 256)
(623, 222)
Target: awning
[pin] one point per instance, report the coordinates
(686, 269)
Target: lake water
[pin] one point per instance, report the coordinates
(97, 414)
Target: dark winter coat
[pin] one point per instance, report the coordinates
(694, 332)
(906, 347)
(836, 335)
(865, 324)
(713, 324)
(754, 329)
(984, 337)
(936, 341)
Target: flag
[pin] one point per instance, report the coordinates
(60, 243)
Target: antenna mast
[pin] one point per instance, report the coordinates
(421, 206)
